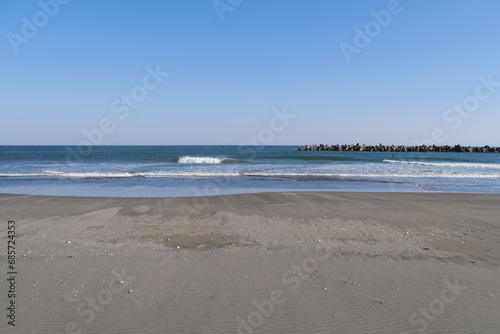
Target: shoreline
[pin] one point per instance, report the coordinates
(278, 191)
(290, 262)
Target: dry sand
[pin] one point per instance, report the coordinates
(311, 262)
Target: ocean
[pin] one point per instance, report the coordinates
(166, 171)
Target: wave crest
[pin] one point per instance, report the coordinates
(199, 160)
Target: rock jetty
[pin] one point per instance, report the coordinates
(400, 148)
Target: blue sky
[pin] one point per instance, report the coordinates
(225, 77)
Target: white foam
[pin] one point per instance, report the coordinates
(265, 173)
(446, 164)
(199, 160)
(97, 175)
(52, 172)
(186, 174)
(427, 175)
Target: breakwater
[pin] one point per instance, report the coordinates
(400, 148)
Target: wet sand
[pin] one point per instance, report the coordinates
(311, 262)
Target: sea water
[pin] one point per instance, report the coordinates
(164, 171)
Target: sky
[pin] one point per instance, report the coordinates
(231, 72)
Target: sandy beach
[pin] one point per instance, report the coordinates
(311, 262)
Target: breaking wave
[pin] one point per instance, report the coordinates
(206, 160)
(446, 164)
